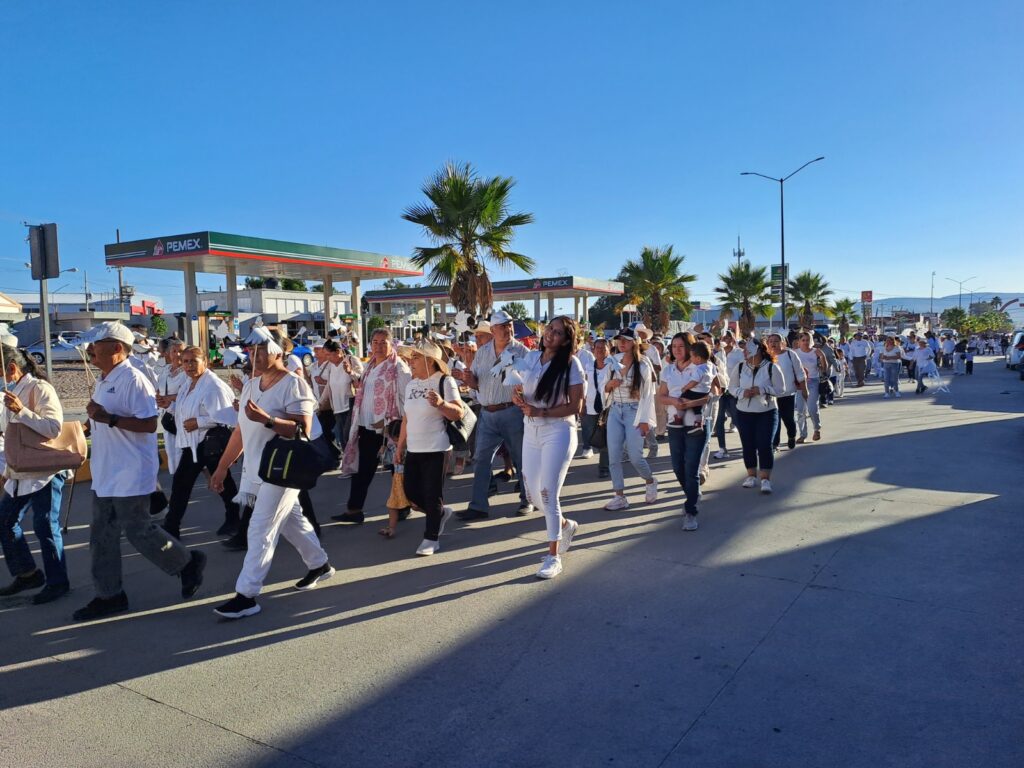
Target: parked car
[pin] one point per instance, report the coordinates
(304, 353)
(60, 351)
(1015, 351)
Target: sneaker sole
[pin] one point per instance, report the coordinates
(316, 581)
(448, 515)
(546, 577)
(238, 614)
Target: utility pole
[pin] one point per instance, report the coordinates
(738, 253)
(85, 288)
(931, 297)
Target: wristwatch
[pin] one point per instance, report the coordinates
(269, 423)
(112, 421)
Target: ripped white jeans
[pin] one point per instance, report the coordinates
(548, 447)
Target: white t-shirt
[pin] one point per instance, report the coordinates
(654, 357)
(675, 379)
(859, 348)
(425, 428)
(923, 357)
(810, 362)
(124, 463)
(293, 364)
(290, 395)
(366, 415)
(532, 376)
(339, 383)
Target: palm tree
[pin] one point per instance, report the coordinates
(467, 218)
(745, 289)
(654, 284)
(812, 289)
(845, 311)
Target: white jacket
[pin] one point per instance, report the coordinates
(210, 403)
(766, 377)
(43, 414)
(645, 407)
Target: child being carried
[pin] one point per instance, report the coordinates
(696, 383)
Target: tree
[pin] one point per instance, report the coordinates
(845, 311)
(254, 282)
(394, 284)
(516, 310)
(375, 322)
(811, 289)
(654, 284)
(292, 284)
(158, 326)
(602, 312)
(316, 288)
(954, 318)
(745, 289)
(468, 219)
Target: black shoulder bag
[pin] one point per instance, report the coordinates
(297, 462)
(460, 430)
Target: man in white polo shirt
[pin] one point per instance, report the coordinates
(124, 464)
(859, 351)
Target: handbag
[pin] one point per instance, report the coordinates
(599, 437)
(297, 462)
(167, 422)
(397, 499)
(215, 443)
(28, 451)
(459, 430)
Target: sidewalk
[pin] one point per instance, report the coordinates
(870, 612)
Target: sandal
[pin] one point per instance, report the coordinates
(387, 532)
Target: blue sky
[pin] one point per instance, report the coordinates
(624, 124)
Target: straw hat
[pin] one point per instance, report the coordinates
(428, 349)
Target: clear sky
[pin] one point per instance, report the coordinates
(624, 124)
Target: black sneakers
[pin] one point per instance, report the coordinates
(192, 575)
(49, 593)
(238, 607)
(100, 607)
(349, 517)
(471, 514)
(34, 580)
(314, 577)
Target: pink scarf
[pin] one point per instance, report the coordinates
(385, 403)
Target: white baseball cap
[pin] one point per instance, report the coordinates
(500, 317)
(111, 329)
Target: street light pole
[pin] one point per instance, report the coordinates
(931, 297)
(960, 298)
(782, 228)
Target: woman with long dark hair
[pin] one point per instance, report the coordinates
(755, 382)
(30, 400)
(628, 383)
(550, 398)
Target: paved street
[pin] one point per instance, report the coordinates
(869, 613)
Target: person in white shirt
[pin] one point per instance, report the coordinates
(593, 364)
(814, 364)
(550, 398)
(686, 445)
(124, 464)
(628, 383)
(654, 356)
(924, 363)
(727, 404)
(341, 374)
(860, 348)
(948, 347)
(276, 402)
(169, 379)
(890, 357)
(31, 401)
(755, 383)
(431, 399)
(794, 385)
(205, 402)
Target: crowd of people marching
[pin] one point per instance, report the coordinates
(423, 411)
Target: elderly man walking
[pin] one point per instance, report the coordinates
(122, 419)
(860, 348)
(499, 422)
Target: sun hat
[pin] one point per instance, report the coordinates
(428, 349)
(642, 331)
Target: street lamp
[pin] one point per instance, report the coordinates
(960, 300)
(782, 226)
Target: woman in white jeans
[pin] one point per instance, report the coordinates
(277, 402)
(550, 397)
(628, 383)
(814, 364)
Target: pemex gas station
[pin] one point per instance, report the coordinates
(236, 256)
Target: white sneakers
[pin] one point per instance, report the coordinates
(427, 548)
(618, 502)
(750, 482)
(719, 454)
(587, 453)
(568, 531)
(551, 567)
(766, 486)
(689, 522)
(651, 494)
(448, 512)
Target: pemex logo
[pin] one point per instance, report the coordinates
(158, 249)
(385, 262)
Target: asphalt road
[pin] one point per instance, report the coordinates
(869, 613)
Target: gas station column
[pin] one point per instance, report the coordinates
(586, 310)
(536, 307)
(551, 306)
(191, 303)
(428, 312)
(357, 310)
(231, 284)
(328, 315)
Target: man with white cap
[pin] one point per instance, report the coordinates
(500, 422)
(124, 464)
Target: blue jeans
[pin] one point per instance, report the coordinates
(624, 437)
(686, 449)
(891, 371)
(45, 504)
(493, 429)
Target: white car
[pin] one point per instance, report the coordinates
(60, 351)
(1014, 353)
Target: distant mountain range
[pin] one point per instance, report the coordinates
(918, 304)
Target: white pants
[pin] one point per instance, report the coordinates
(807, 407)
(277, 513)
(548, 447)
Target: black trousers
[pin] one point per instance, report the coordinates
(786, 416)
(369, 446)
(424, 487)
(756, 430)
(184, 481)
